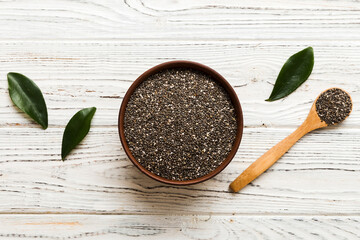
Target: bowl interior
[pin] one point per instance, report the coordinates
(216, 77)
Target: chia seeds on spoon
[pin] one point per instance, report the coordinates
(180, 124)
(333, 106)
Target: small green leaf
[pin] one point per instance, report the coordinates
(294, 73)
(27, 96)
(75, 131)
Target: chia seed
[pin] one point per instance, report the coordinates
(180, 124)
(333, 106)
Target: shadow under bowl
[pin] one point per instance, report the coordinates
(216, 77)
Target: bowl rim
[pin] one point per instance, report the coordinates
(220, 80)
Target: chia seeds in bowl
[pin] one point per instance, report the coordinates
(180, 124)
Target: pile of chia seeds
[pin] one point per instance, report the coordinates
(180, 124)
(333, 106)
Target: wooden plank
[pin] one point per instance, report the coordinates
(177, 227)
(319, 175)
(207, 19)
(75, 75)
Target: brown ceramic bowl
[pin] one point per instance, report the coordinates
(218, 78)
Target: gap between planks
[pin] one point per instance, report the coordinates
(224, 214)
(204, 41)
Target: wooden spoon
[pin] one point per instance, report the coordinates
(312, 122)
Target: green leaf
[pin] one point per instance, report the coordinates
(27, 96)
(294, 73)
(75, 131)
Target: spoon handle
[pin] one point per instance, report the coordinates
(268, 158)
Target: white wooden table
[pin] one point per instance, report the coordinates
(87, 53)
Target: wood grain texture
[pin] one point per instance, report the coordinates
(75, 75)
(87, 53)
(201, 20)
(177, 227)
(317, 176)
